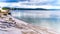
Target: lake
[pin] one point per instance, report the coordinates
(46, 18)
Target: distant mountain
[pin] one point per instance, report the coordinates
(24, 8)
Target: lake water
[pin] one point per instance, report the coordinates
(50, 18)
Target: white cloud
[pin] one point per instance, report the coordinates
(25, 4)
(38, 1)
(2, 4)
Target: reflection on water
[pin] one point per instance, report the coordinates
(38, 17)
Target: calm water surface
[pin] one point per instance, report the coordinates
(39, 17)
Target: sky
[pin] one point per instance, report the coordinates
(48, 4)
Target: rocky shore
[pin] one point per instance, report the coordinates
(11, 25)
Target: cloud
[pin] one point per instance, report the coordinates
(3, 4)
(32, 4)
(38, 1)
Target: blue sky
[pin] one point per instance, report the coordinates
(11, 0)
(48, 4)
